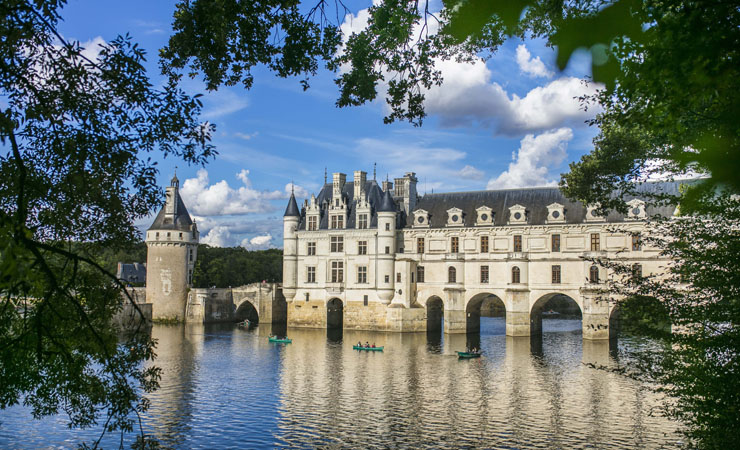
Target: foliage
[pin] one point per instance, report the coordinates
(235, 266)
(75, 130)
(700, 365)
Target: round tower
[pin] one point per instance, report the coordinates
(386, 247)
(291, 218)
(172, 247)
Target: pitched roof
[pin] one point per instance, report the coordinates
(181, 221)
(292, 209)
(534, 200)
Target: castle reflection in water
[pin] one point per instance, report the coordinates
(227, 387)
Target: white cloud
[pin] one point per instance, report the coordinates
(258, 242)
(222, 103)
(246, 136)
(532, 162)
(205, 199)
(534, 67)
(469, 96)
(470, 172)
(218, 236)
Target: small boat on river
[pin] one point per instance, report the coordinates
(369, 349)
(468, 355)
(278, 340)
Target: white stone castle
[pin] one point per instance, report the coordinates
(369, 257)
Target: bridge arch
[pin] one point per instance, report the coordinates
(246, 311)
(484, 301)
(554, 302)
(335, 314)
(435, 313)
(639, 315)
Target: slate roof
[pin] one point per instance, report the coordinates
(374, 195)
(182, 221)
(135, 272)
(292, 209)
(535, 200)
(387, 204)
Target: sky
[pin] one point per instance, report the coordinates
(510, 121)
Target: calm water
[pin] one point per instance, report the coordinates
(226, 387)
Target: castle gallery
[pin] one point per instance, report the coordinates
(364, 256)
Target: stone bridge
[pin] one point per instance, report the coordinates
(258, 302)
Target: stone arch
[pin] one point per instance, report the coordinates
(334, 314)
(246, 310)
(435, 313)
(639, 314)
(541, 306)
(476, 304)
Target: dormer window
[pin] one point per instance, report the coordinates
(454, 217)
(636, 210)
(555, 213)
(517, 215)
(485, 216)
(592, 214)
(421, 218)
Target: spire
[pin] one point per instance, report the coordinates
(292, 209)
(324, 175)
(375, 167)
(175, 182)
(387, 204)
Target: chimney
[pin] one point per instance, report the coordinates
(338, 184)
(360, 180)
(387, 186)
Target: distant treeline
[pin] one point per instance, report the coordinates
(215, 266)
(236, 266)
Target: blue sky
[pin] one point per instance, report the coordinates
(510, 121)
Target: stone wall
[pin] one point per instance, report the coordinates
(207, 305)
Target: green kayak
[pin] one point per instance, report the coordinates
(369, 349)
(468, 355)
(281, 341)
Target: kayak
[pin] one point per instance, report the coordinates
(281, 341)
(468, 355)
(369, 349)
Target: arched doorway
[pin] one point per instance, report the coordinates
(555, 307)
(484, 305)
(246, 311)
(334, 314)
(435, 314)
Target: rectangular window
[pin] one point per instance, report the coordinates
(362, 248)
(419, 274)
(361, 274)
(484, 244)
(387, 278)
(180, 235)
(556, 242)
(387, 250)
(311, 248)
(310, 274)
(337, 244)
(190, 254)
(337, 221)
(364, 300)
(517, 243)
(555, 274)
(484, 274)
(636, 243)
(340, 221)
(398, 277)
(337, 271)
(313, 223)
(454, 244)
(362, 221)
(419, 245)
(388, 227)
(637, 270)
(412, 277)
(595, 244)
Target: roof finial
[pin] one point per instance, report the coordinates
(375, 165)
(324, 174)
(292, 187)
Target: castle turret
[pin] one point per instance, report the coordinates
(172, 246)
(291, 218)
(386, 247)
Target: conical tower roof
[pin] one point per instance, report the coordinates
(180, 220)
(387, 204)
(292, 209)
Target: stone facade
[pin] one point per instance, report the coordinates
(412, 259)
(172, 246)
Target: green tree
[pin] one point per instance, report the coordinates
(669, 106)
(236, 266)
(75, 132)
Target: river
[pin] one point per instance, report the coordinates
(228, 387)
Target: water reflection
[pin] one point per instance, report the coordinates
(228, 387)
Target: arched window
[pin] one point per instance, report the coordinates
(593, 274)
(516, 275)
(451, 275)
